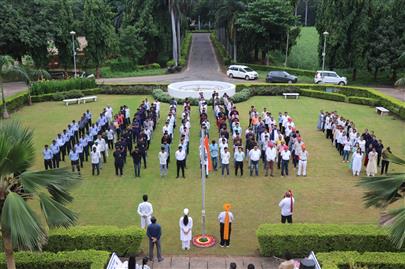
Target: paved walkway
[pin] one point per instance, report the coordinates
(11, 88)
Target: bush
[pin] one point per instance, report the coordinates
(122, 65)
(363, 101)
(300, 239)
(241, 96)
(59, 96)
(131, 89)
(222, 54)
(324, 95)
(109, 238)
(80, 259)
(372, 260)
(52, 86)
(15, 102)
(164, 97)
(153, 66)
(185, 49)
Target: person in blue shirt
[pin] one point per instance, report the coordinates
(79, 150)
(48, 155)
(214, 154)
(56, 154)
(66, 139)
(154, 232)
(88, 117)
(83, 142)
(74, 160)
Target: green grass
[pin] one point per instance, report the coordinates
(305, 52)
(327, 195)
(107, 73)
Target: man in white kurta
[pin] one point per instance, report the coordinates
(145, 211)
(186, 226)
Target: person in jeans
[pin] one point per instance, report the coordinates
(239, 156)
(346, 149)
(214, 154)
(225, 156)
(136, 157)
(285, 158)
(254, 155)
(154, 232)
(385, 162)
(163, 162)
(95, 161)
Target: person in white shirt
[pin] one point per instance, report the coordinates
(225, 156)
(95, 160)
(145, 211)
(157, 108)
(271, 155)
(110, 138)
(180, 161)
(285, 158)
(302, 163)
(102, 147)
(346, 149)
(239, 156)
(163, 162)
(287, 206)
(186, 226)
(254, 155)
(109, 113)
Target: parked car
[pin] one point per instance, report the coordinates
(241, 71)
(281, 77)
(329, 77)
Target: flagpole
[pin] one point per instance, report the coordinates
(202, 160)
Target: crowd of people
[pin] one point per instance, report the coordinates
(357, 149)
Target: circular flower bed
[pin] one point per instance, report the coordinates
(204, 241)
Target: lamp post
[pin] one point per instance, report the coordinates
(325, 34)
(73, 33)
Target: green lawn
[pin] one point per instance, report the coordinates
(327, 195)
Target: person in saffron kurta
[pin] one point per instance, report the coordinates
(225, 219)
(186, 226)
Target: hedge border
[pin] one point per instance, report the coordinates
(59, 96)
(15, 102)
(222, 55)
(53, 86)
(80, 259)
(300, 239)
(339, 259)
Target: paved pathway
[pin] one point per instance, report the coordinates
(11, 88)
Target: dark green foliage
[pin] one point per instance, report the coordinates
(241, 96)
(131, 45)
(78, 259)
(324, 95)
(59, 96)
(371, 260)
(15, 102)
(131, 88)
(220, 51)
(362, 101)
(185, 49)
(51, 86)
(300, 239)
(122, 65)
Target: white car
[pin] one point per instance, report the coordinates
(241, 71)
(329, 77)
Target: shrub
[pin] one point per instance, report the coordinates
(185, 49)
(15, 102)
(153, 66)
(222, 54)
(300, 239)
(80, 259)
(51, 86)
(164, 97)
(241, 96)
(134, 89)
(362, 101)
(324, 95)
(122, 65)
(59, 96)
(372, 260)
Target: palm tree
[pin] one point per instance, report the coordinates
(400, 83)
(19, 188)
(384, 191)
(172, 4)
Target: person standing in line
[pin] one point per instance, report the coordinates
(254, 155)
(103, 147)
(180, 158)
(302, 162)
(110, 138)
(239, 156)
(95, 161)
(287, 207)
(48, 155)
(145, 211)
(371, 169)
(271, 154)
(357, 162)
(85, 144)
(385, 161)
(154, 232)
(163, 162)
(74, 160)
(346, 149)
(118, 161)
(79, 150)
(285, 158)
(225, 219)
(56, 154)
(214, 154)
(225, 156)
(136, 158)
(186, 226)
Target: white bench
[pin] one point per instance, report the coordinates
(88, 99)
(382, 110)
(71, 101)
(293, 94)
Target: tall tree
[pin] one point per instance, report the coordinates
(21, 228)
(131, 44)
(99, 32)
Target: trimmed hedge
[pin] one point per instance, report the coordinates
(80, 259)
(185, 49)
(52, 86)
(324, 95)
(363, 101)
(372, 260)
(300, 239)
(15, 102)
(109, 238)
(164, 97)
(292, 71)
(223, 57)
(59, 96)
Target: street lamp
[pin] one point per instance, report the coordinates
(73, 33)
(325, 34)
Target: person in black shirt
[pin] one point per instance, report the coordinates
(142, 150)
(136, 157)
(118, 160)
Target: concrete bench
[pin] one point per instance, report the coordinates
(382, 110)
(71, 101)
(293, 94)
(88, 99)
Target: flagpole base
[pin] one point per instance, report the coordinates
(204, 241)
